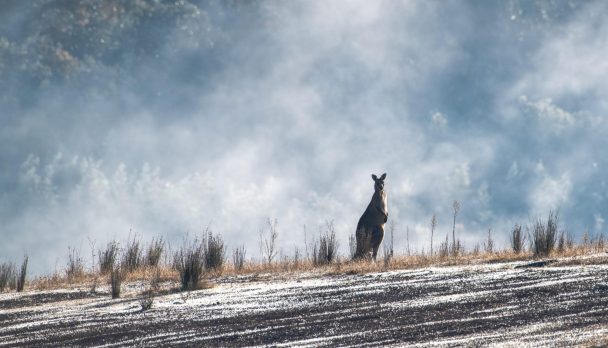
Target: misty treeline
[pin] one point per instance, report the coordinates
(46, 43)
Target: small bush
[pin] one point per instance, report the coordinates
(75, 266)
(147, 297)
(544, 235)
(325, 251)
(22, 275)
(214, 252)
(116, 277)
(154, 252)
(132, 258)
(238, 257)
(107, 257)
(517, 239)
(189, 262)
(146, 300)
(7, 275)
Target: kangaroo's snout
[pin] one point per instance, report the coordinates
(379, 186)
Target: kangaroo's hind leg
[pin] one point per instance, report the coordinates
(377, 237)
(364, 236)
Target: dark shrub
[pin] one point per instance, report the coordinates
(107, 257)
(517, 239)
(544, 235)
(7, 275)
(189, 262)
(214, 252)
(154, 252)
(132, 258)
(325, 251)
(146, 300)
(22, 274)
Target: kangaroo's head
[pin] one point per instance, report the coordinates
(379, 182)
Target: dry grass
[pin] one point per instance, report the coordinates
(167, 273)
(7, 275)
(22, 274)
(75, 266)
(155, 252)
(107, 257)
(544, 234)
(58, 281)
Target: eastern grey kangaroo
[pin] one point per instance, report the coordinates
(370, 229)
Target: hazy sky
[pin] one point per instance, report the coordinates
(165, 118)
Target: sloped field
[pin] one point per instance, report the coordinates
(472, 305)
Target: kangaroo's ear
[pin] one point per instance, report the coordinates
(374, 177)
(383, 176)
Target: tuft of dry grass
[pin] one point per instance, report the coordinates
(517, 239)
(132, 258)
(22, 274)
(325, 251)
(75, 266)
(154, 252)
(7, 275)
(544, 235)
(147, 300)
(190, 263)
(214, 252)
(107, 257)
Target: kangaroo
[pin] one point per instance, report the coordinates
(370, 229)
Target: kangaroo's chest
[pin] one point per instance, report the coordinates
(384, 201)
(378, 202)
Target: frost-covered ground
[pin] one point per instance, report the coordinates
(479, 305)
